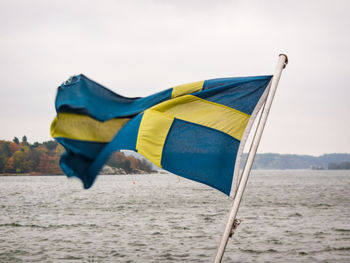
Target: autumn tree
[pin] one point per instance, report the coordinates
(43, 158)
(34, 156)
(145, 165)
(49, 165)
(9, 166)
(126, 165)
(116, 159)
(50, 146)
(22, 163)
(14, 147)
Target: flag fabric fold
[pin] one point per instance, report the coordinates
(197, 130)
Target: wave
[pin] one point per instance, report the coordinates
(46, 227)
(341, 229)
(253, 251)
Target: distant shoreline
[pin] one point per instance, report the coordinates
(165, 172)
(28, 174)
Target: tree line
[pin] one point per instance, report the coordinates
(339, 166)
(22, 157)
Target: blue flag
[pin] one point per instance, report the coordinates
(196, 130)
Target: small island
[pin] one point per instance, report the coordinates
(22, 158)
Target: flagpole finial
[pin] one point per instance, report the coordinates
(286, 61)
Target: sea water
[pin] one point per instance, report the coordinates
(295, 216)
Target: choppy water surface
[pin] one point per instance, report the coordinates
(295, 216)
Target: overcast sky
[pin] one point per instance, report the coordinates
(137, 48)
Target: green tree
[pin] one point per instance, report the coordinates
(15, 140)
(5, 148)
(3, 161)
(24, 140)
(22, 164)
(51, 145)
(35, 145)
(34, 157)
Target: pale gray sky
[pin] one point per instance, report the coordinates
(137, 48)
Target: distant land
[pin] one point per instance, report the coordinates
(22, 157)
(334, 161)
(275, 161)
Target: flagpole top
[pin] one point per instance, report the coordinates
(286, 61)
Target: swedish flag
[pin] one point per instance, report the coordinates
(196, 130)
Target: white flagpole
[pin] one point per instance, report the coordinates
(282, 62)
